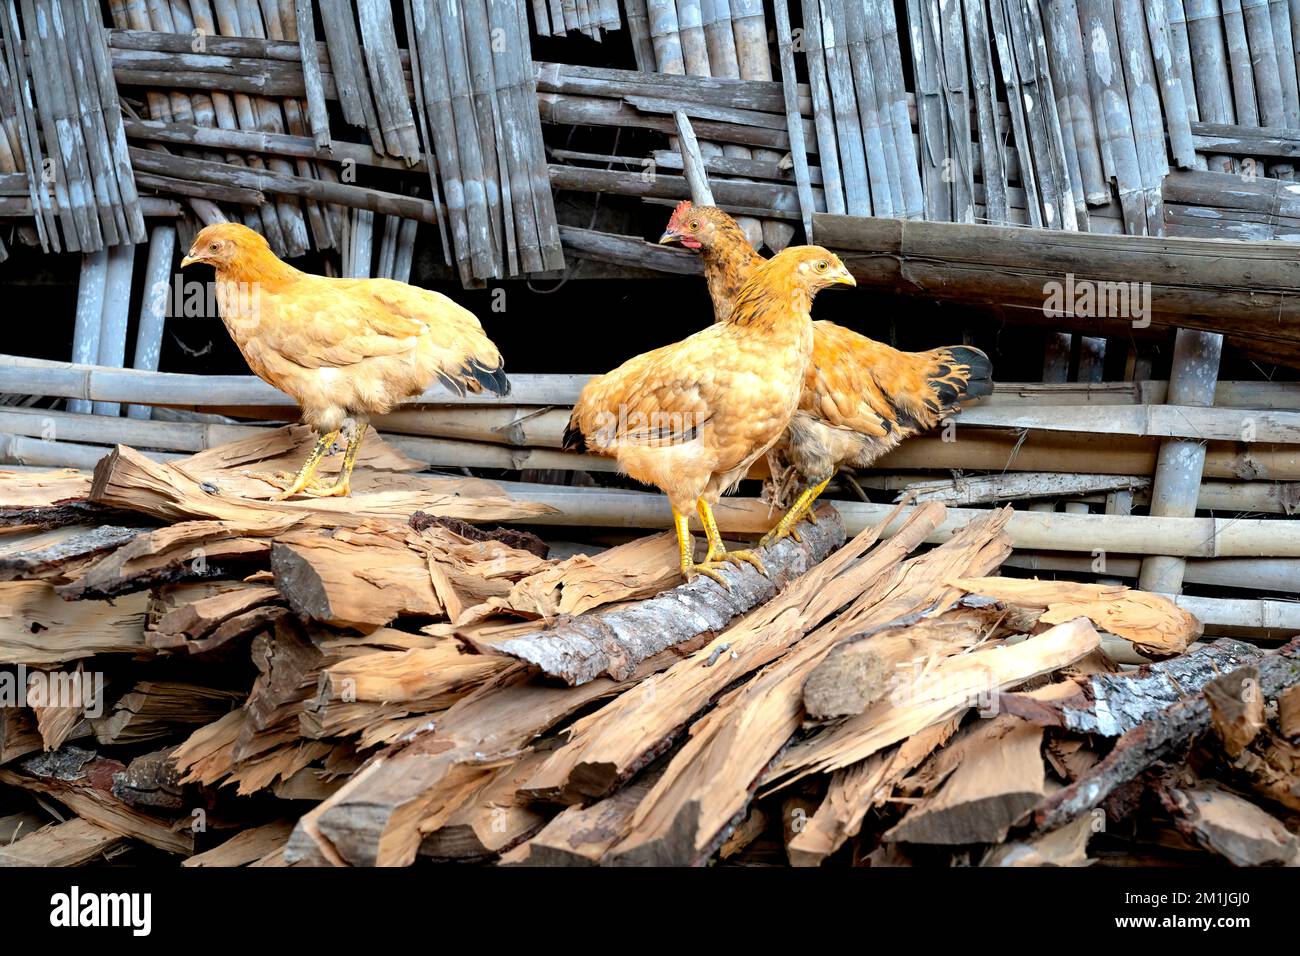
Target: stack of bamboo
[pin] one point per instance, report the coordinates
(345, 682)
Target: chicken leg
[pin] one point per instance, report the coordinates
(342, 487)
(717, 557)
(802, 508)
(308, 470)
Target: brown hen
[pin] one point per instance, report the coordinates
(690, 418)
(345, 349)
(860, 397)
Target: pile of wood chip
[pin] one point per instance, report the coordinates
(189, 671)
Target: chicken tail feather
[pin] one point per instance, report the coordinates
(573, 440)
(961, 373)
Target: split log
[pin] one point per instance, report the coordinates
(47, 558)
(616, 642)
(1231, 826)
(1236, 708)
(75, 842)
(245, 847)
(860, 672)
(1155, 625)
(376, 817)
(1067, 846)
(999, 778)
(1110, 705)
(581, 836)
(37, 628)
(491, 821)
(1156, 739)
(18, 733)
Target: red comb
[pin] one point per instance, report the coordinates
(679, 213)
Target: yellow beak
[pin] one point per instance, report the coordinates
(189, 261)
(668, 238)
(846, 277)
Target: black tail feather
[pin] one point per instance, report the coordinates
(573, 440)
(492, 379)
(951, 389)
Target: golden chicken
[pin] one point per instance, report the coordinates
(690, 418)
(860, 397)
(345, 349)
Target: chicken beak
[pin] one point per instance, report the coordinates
(845, 277)
(668, 238)
(190, 261)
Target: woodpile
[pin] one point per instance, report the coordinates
(197, 674)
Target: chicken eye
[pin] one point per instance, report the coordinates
(693, 225)
(214, 246)
(822, 265)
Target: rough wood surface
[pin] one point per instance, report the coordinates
(1156, 739)
(615, 642)
(999, 778)
(1113, 704)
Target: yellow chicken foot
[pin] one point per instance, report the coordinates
(798, 511)
(343, 486)
(686, 548)
(717, 550)
(308, 470)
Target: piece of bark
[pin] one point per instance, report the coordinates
(607, 748)
(1112, 704)
(615, 642)
(245, 847)
(860, 672)
(1155, 625)
(74, 842)
(1236, 708)
(1155, 739)
(150, 780)
(1288, 712)
(513, 537)
(47, 559)
(188, 551)
(83, 782)
(998, 780)
(1231, 826)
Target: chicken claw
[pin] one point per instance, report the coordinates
(802, 508)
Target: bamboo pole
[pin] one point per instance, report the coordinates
(113, 320)
(90, 309)
(153, 307)
(1181, 464)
